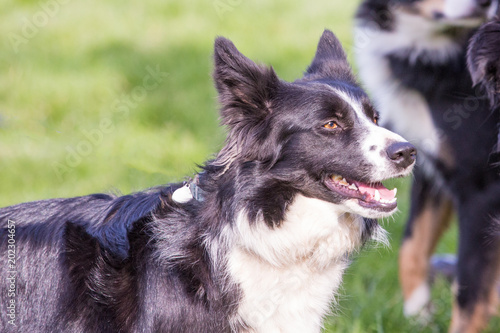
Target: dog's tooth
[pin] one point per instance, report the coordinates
(353, 187)
(395, 191)
(344, 182)
(377, 195)
(384, 201)
(336, 178)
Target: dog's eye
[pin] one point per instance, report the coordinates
(330, 125)
(375, 120)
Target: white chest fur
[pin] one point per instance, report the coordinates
(289, 275)
(406, 110)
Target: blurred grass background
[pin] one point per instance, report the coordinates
(106, 96)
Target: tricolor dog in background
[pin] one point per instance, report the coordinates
(412, 58)
(259, 243)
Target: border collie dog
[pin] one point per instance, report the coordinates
(257, 242)
(412, 58)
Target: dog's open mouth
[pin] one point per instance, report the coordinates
(374, 195)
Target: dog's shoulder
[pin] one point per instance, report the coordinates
(112, 229)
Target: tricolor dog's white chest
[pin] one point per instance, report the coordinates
(289, 275)
(405, 109)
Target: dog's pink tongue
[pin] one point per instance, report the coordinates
(385, 194)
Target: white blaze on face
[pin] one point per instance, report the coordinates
(375, 142)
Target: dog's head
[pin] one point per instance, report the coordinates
(317, 136)
(483, 59)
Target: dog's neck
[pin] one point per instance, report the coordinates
(288, 276)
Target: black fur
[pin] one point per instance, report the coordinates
(88, 264)
(484, 66)
(144, 262)
(484, 60)
(376, 12)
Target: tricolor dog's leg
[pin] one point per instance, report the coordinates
(430, 215)
(476, 294)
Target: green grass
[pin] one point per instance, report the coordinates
(67, 68)
(77, 118)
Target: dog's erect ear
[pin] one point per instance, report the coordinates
(330, 61)
(246, 93)
(245, 89)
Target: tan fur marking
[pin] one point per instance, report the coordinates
(446, 155)
(427, 8)
(463, 321)
(415, 252)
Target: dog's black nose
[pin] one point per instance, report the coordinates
(484, 3)
(402, 153)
